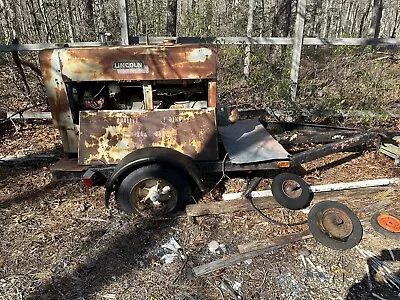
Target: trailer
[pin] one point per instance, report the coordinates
(145, 122)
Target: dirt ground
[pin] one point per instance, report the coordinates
(59, 242)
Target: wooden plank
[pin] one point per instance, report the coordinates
(276, 41)
(274, 241)
(124, 23)
(346, 196)
(26, 115)
(216, 40)
(38, 47)
(297, 46)
(237, 258)
(351, 42)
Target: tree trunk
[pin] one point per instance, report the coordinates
(71, 32)
(49, 34)
(100, 16)
(11, 21)
(171, 17)
(36, 25)
(327, 19)
(353, 22)
(249, 32)
(89, 16)
(363, 19)
(281, 26)
(393, 34)
(375, 27)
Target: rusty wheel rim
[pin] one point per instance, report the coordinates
(336, 223)
(154, 196)
(291, 188)
(389, 223)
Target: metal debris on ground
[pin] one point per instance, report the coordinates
(175, 251)
(216, 247)
(388, 274)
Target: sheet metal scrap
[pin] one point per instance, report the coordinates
(111, 135)
(247, 141)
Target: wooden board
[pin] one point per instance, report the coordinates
(237, 258)
(364, 196)
(274, 241)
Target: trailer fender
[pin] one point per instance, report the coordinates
(151, 155)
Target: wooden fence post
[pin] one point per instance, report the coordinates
(123, 16)
(297, 46)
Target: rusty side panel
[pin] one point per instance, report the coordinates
(108, 136)
(58, 99)
(139, 63)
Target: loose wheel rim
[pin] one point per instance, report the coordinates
(154, 196)
(389, 223)
(336, 223)
(291, 188)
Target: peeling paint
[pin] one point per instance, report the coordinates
(111, 135)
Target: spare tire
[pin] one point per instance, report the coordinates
(334, 225)
(291, 191)
(386, 224)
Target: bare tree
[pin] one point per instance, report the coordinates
(281, 22)
(171, 17)
(376, 18)
(249, 32)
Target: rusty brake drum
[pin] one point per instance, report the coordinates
(334, 225)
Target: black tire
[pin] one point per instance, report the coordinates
(350, 226)
(292, 192)
(395, 235)
(176, 180)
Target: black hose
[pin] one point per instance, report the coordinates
(272, 220)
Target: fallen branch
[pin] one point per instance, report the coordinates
(20, 113)
(20, 70)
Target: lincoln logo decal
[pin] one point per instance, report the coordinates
(130, 67)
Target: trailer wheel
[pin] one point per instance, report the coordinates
(334, 225)
(154, 190)
(386, 224)
(290, 191)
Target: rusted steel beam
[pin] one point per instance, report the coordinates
(212, 94)
(227, 166)
(51, 65)
(313, 137)
(325, 150)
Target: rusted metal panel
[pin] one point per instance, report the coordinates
(247, 141)
(108, 136)
(138, 63)
(58, 100)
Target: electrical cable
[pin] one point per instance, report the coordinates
(272, 220)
